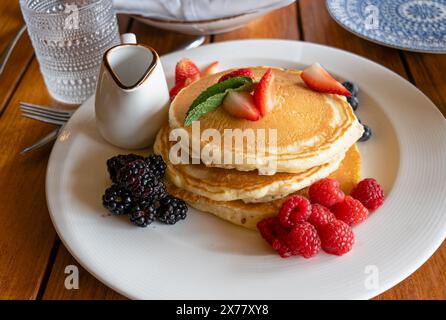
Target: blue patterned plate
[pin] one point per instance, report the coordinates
(414, 25)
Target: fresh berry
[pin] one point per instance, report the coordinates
(350, 86)
(140, 181)
(241, 105)
(326, 192)
(157, 192)
(296, 209)
(317, 79)
(337, 238)
(351, 211)
(143, 215)
(354, 102)
(264, 93)
(303, 240)
(370, 193)
(210, 69)
(118, 200)
(156, 165)
(171, 210)
(185, 69)
(272, 231)
(116, 163)
(320, 216)
(179, 86)
(243, 72)
(367, 134)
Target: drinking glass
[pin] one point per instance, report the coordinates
(69, 38)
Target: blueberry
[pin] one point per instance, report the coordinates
(354, 102)
(353, 88)
(367, 134)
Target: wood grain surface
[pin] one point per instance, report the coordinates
(32, 258)
(10, 22)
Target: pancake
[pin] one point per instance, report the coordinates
(312, 128)
(248, 214)
(228, 184)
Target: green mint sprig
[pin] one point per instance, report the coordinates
(213, 97)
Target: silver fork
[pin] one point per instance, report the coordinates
(47, 115)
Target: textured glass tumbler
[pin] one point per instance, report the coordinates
(69, 38)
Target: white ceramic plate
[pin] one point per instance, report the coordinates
(204, 257)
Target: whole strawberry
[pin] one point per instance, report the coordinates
(337, 238)
(320, 216)
(296, 209)
(351, 211)
(303, 240)
(370, 193)
(326, 192)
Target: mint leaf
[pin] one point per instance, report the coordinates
(207, 106)
(212, 102)
(220, 87)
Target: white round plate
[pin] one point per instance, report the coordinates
(207, 258)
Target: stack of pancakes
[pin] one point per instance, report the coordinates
(316, 135)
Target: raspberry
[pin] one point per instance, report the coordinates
(271, 230)
(326, 192)
(295, 209)
(351, 211)
(320, 216)
(337, 238)
(370, 193)
(303, 240)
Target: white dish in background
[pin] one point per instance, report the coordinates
(207, 258)
(204, 27)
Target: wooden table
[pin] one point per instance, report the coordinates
(32, 258)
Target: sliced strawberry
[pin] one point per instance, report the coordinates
(317, 79)
(265, 94)
(241, 105)
(210, 69)
(177, 88)
(243, 72)
(185, 69)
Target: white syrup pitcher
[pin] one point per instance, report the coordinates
(132, 95)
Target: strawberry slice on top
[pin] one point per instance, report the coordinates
(243, 72)
(264, 93)
(186, 69)
(318, 79)
(241, 105)
(210, 69)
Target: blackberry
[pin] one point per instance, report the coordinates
(156, 165)
(118, 200)
(116, 163)
(137, 177)
(171, 210)
(143, 215)
(158, 191)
